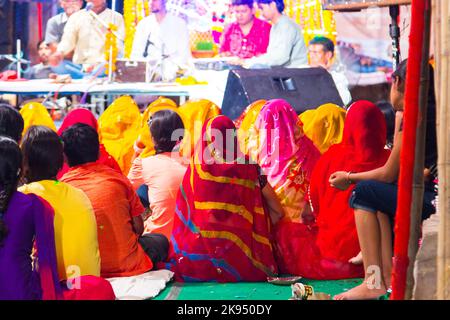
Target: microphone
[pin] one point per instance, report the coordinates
(88, 9)
(149, 43)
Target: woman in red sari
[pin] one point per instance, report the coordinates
(86, 117)
(222, 228)
(322, 248)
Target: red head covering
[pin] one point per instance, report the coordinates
(87, 117)
(78, 116)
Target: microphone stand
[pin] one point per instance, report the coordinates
(394, 32)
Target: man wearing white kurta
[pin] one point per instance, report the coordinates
(162, 36)
(86, 35)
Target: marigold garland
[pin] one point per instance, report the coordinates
(111, 44)
(133, 12)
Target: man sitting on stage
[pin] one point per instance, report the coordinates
(56, 24)
(248, 36)
(42, 70)
(321, 53)
(162, 36)
(286, 45)
(85, 34)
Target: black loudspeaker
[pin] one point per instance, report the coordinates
(304, 89)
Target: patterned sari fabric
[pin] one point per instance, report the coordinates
(285, 154)
(87, 117)
(35, 114)
(221, 229)
(322, 249)
(118, 129)
(194, 114)
(145, 138)
(324, 125)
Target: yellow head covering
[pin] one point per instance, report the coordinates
(324, 125)
(246, 128)
(118, 129)
(194, 114)
(145, 138)
(35, 114)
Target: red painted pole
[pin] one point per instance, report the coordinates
(407, 155)
(39, 17)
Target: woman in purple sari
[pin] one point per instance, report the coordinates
(25, 220)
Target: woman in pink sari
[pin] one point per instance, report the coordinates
(287, 156)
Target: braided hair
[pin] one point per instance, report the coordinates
(10, 167)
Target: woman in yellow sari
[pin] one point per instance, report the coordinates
(118, 129)
(324, 125)
(35, 114)
(194, 114)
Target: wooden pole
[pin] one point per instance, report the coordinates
(419, 163)
(442, 53)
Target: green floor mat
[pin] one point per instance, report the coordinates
(248, 290)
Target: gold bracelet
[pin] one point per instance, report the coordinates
(348, 177)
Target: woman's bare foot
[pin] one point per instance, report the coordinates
(362, 292)
(358, 260)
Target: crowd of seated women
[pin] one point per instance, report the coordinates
(187, 189)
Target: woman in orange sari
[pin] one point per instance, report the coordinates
(221, 228)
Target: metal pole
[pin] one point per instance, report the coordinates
(394, 32)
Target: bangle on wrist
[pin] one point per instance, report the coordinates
(348, 177)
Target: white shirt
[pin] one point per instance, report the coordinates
(86, 36)
(341, 82)
(286, 46)
(170, 37)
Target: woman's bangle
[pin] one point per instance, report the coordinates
(348, 177)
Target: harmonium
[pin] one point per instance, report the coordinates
(135, 70)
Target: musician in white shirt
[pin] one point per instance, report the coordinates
(162, 35)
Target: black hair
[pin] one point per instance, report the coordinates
(279, 3)
(248, 3)
(389, 116)
(400, 73)
(10, 166)
(162, 125)
(42, 152)
(11, 122)
(81, 144)
(41, 42)
(328, 45)
(431, 135)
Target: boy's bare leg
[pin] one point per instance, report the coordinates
(386, 247)
(369, 235)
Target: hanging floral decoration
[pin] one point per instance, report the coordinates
(133, 12)
(111, 48)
